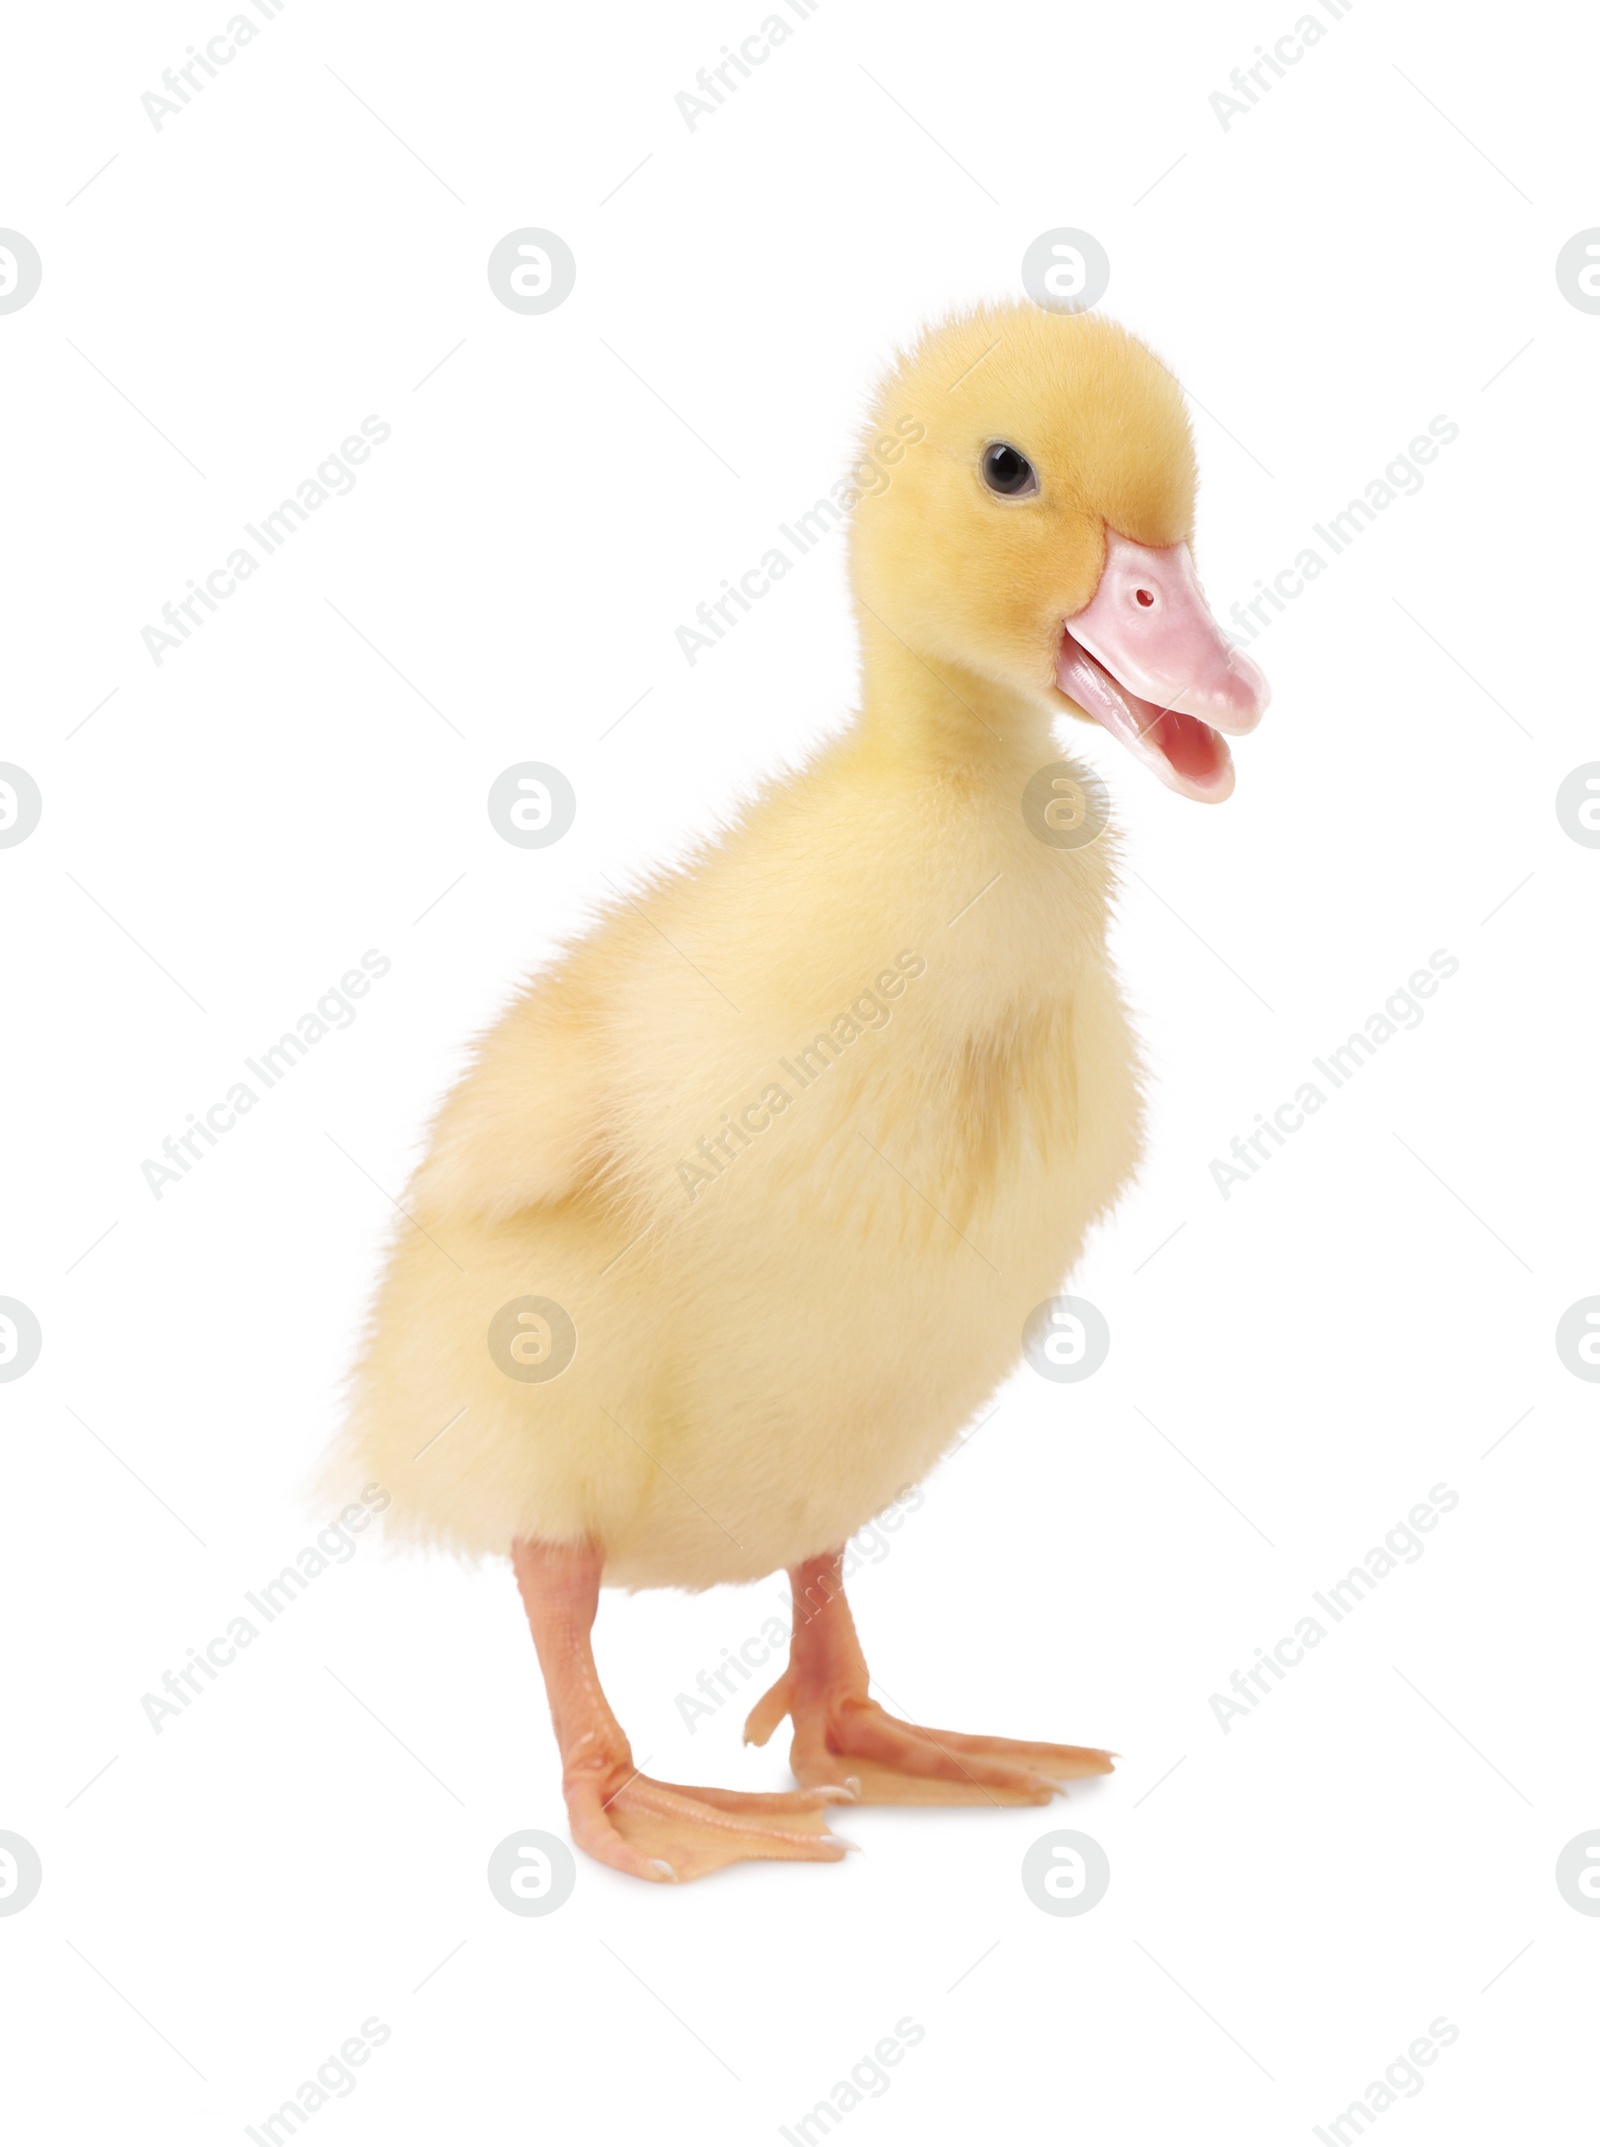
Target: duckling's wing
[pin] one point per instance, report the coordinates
(525, 1124)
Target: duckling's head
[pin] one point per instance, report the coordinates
(1035, 530)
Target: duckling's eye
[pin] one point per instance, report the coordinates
(1008, 472)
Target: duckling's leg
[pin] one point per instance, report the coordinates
(842, 1736)
(656, 1830)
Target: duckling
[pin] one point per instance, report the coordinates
(740, 1211)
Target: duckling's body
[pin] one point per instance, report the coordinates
(740, 1212)
(774, 1338)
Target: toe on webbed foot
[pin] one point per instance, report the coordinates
(887, 1761)
(665, 1831)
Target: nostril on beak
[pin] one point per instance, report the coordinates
(1143, 596)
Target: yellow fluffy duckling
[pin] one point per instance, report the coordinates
(739, 1214)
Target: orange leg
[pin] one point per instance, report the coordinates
(844, 1738)
(655, 1830)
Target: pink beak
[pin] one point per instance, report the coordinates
(1146, 659)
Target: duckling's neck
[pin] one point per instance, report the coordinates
(928, 712)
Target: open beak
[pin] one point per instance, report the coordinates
(1146, 659)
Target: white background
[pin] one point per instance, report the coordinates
(227, 1901)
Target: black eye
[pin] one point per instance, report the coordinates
(1007, 472)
